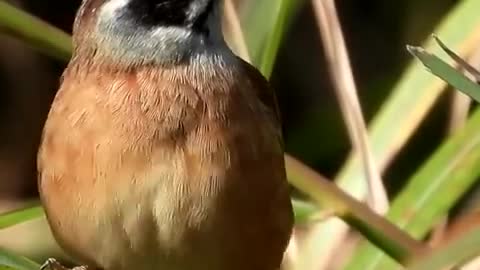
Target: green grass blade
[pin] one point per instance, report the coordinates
(303, 211)
(375, 228)
(447, 73)
(412, 97)
(56, 44)
(18, 216)
(381, 232)
(10, 261)
(410, 101)
(458, 60)
(455, 253)
(257, 20)
(34, 32)
(267, 60)
(265, 24)
(452, 170)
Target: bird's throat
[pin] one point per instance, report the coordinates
(141, 31)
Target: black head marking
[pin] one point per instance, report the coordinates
(160, 12)
(160, 31)
(200, 23)
(152, 13)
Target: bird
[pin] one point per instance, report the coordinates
(163, 149)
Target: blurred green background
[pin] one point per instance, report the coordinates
(376, 33)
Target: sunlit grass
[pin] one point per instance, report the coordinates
(429, 195)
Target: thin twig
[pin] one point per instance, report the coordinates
(341, 72)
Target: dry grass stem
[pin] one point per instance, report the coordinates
(235, 30)
(461, 117)
(238, 39)
(459, 110)
(342, 75)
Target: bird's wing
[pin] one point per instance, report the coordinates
(263, 90)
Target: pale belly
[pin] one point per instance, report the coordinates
(152, 224)
(157, 223)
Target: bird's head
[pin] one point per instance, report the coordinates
(151, 31)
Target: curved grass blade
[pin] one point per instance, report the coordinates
(377, 229)
(11, 261)
(334, 200)
(455, 253)
(395, 242)
(303, 211)
(265, 23)
(273, 40)
(412, 97)
(19, 216)
(462, 63)
(447, 73)
(35, 32)
(452, 170)
(398, 118)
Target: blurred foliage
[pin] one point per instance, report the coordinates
(427, 170)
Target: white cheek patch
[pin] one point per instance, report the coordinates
(109, 9)
(196, 7)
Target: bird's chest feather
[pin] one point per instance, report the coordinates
(146, 163)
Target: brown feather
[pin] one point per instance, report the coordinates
(165, 168)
